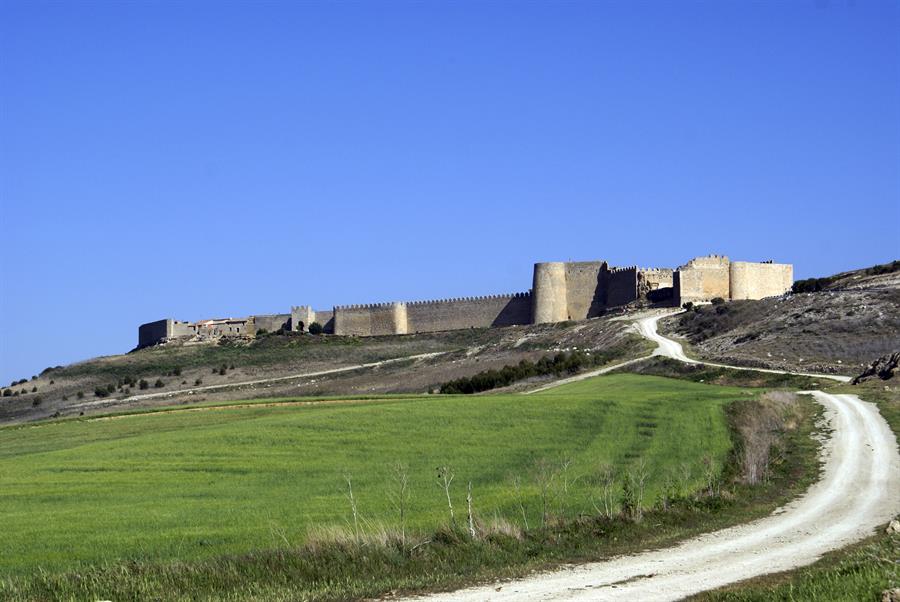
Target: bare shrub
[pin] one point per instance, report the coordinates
(445, 478)
(602, 496)
(762, 423)
(400, 496)
(499, 525)
(633, 490)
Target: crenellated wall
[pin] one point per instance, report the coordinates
(760, 280)
(468, 312)
(561, 291)
(703, 279)
(373, 319)
(584, 289)
(622, 286)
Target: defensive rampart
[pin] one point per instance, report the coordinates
(549, 293)
(703, 279)
(468, 312)
(574, 290)
(370, 320)
(622, 286)
(760, 280)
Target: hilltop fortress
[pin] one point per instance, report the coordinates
(560, 291)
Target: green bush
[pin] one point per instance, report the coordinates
(143, 384)
(689, 306)
(159, 384)
(718, 301)
(316, 328)
(561, 363)
(812, 285)
(34, 389)
(80, 395)
(101, 392)
(7, 393)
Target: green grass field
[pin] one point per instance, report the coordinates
(194, 484)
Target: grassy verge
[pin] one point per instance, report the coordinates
(702, 373)
(859, 572)
(556, 443)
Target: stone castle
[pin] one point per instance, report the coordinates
(561, 291)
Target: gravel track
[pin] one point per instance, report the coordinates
(859, 490)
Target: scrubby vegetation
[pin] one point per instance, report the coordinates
(703, 373)
(562, 363)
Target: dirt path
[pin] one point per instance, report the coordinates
(669, 348)
(859, 490)
(261, 381)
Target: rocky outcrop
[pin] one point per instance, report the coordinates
(884, 368)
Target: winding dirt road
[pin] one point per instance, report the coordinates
(859, 490)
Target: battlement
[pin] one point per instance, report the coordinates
(616, 270)
(471, 299)
(574, 290)
(384, 304)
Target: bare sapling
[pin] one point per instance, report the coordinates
(517, 484)
(711, 475)
(353, 509)
(565, 481)
(602, 496)
(636, 482)
(545, 475)
(400, 497)
(471, 516)
(445, 478)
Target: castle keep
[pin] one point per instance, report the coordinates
(560, 291)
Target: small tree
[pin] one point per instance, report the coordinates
(316, 328)
(80, 395)
(159, 384)
(445, 478)
(689, 306)
(143, 384)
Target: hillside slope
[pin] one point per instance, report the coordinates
(288, 364)
(854, 319)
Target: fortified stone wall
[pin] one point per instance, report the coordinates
(550, 303)
(703, 279)
(622, 286)
(153, 332)
(562, 291)
(584, 290)
(271, 322)
(469, 312)
(370, 320)
(760, 280)
(325, 317)
(655, 284)
(178, 328)
(304, 315)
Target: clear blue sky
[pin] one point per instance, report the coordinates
(191, 160)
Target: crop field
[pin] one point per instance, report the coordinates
(206, 482)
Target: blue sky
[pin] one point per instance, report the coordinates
(192, 159)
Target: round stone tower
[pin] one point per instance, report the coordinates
(549, 292)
